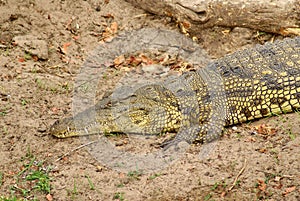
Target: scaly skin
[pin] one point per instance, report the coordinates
(239, 87)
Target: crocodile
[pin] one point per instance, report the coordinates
(248, 84)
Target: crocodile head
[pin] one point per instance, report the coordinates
(150, 110)
(88, 122)
(63, 128)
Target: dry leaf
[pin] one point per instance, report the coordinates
(21, 59)
(119, 60)
(262, 150)
(289, 190)
(107, 33)
(65, 47)
(55, 109)
(76, 37)
(114, 27)
(35, 58)
(290, 31)
(146, 60)
(265, 130)
(261, 129)
(250, 139)
(186, 24)
(262, 185)
(133, 61)
(49, 197)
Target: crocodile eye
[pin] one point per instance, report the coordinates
(225, 71)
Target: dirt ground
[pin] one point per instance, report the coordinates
(44, 43)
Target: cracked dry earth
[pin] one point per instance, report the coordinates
(43, 45)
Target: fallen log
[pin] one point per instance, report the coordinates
(278, 16)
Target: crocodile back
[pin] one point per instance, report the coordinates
(261, 81)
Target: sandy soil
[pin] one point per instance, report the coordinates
(43, 45)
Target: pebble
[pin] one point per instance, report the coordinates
(33, 45)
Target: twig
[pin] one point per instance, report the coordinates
(287, 176)
(141, 15)
(51, 67)
(237, 176)
(77, 148)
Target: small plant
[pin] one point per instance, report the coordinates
(39, 83)
(208, 197)
(53, 87)
(120, 185)
(24, 102)
(154, 176)
(238, 183)
(1, 179)
(9, 199)
(134, 174)
(74, 191)
(5, 52)
(291, 135)
(42, 180)
(238, 135)
(119, 196)
(269, 177)
(215, 186)
(27, 56)
(34, 70)
(92, 187)
(5, 110)
(84, 88)
(33, 177)
(65, 86)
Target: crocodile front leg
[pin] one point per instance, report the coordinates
(203, 106)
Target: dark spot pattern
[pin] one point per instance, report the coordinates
(174, 104)
(264, 111)
(297, 84)
(266, 52)
(297, 95)
(271, 82)
(293, 71)
(278, 101)
(206, 98)
(256, 101)
(279, 67)
(247, 112)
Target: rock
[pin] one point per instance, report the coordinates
(33, 45)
